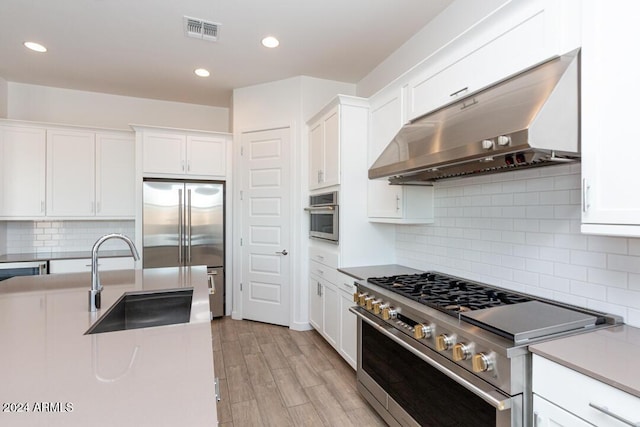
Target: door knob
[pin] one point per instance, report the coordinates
(282, 252)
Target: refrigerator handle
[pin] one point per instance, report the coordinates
(180, 238)
(212, 283)
(189, 225)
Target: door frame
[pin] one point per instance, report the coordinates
(298, 294)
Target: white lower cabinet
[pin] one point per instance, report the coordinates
(315, 303)
(83, 265)
(330, 313)
(546, 414)
(565, 397)
(330, 296)
(347, 344)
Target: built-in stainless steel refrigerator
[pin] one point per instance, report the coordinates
(183, 225)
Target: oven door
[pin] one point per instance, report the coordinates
(323, 222)
(418, 387)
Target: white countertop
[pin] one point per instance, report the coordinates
(609, 355)
(160, 376)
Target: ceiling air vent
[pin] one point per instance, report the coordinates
(200, 29)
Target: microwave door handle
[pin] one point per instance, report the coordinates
(320, 208)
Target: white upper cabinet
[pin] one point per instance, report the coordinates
(177, 153)
(164, 153)
(70, 173)
(207, 155)
(115, 175)
(22, 171)
(518, 36)
(610, 200)
(400, 204)
(90, 174)
(324, 149)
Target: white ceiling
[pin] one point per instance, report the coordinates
(138, 47)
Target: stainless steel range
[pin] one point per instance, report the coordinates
(439, 350)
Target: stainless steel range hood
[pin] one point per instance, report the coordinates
(531, 119)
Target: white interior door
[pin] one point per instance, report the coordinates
(265, 226)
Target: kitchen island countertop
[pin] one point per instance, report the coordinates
(54, 375)
(609, 355)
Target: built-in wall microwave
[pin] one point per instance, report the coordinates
(324, 216)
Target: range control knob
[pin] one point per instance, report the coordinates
(371, 302)
(504, 140)
(487, 144)
(362, 299)
(421, 331)
(356, 296)
(389, 313)
(461, 351)
(482, 362)
(444, 342)
(380, 307)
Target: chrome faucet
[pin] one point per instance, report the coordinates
(96, 287)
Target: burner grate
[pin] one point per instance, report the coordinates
(446, 293)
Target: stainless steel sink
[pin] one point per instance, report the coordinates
(136, 310)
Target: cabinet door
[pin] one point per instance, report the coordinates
(348, 326)
(611, 202)
(316, 155)
(22, 172)
(385, 122)
(164, 153)
(546, 414)
(330, 313)
(206, 156)
(315, 303)
(70, 173)
(115, 175)
(331, 175)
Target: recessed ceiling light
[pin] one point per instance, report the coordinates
(201, 72)
(270, 42)
(37, 47)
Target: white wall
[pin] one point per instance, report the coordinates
(66, 106)
(460, 17)
(283, 103)
(521, 230)
(4, 94)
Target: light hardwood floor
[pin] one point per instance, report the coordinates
(273, 376)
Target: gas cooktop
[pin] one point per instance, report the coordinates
(449, 294)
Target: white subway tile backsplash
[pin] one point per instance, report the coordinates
(63, 236)
(624, 297)
(630, 264)
(634, 247)
(589, 290)
(589, 259)
(521, 230)
(540, 184)
(602, 276)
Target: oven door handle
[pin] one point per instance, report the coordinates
(498, 403)
(329, 208)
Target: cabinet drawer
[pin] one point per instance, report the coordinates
(323, 256)
(346, 283)
(578, 394)
(323, 271)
